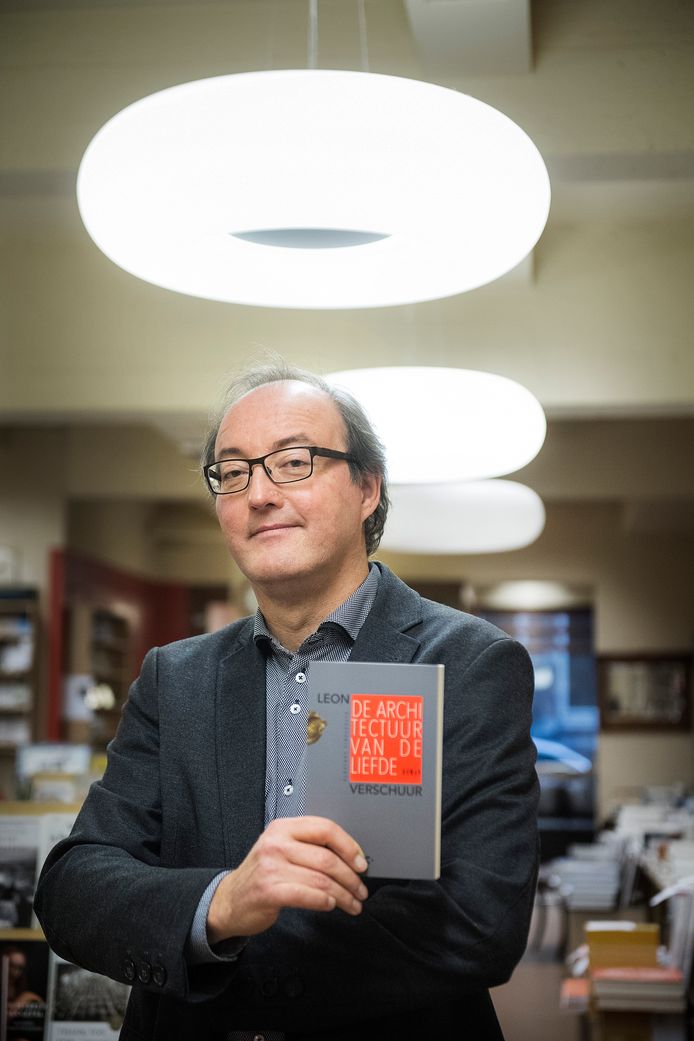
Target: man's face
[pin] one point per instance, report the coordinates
(307, 530)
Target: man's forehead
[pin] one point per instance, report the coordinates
(273, 406)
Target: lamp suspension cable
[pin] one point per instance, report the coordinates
(312, 36)
(312, 43)
(363, 38)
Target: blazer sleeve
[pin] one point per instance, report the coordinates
(110, 897)
(417, 944)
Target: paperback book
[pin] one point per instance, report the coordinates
(374, 761)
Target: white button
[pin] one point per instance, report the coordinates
(295, 708)
(288, 789)
(300, 677)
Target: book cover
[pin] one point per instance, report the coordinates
(23, 989)
(83, 1005)
(374, 761)
(622, 943)
(28, 832)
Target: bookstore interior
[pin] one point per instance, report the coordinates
(532, 380)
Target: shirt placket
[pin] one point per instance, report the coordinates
(291, 740)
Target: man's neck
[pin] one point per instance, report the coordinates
(293, 614)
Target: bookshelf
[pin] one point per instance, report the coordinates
(100, 662)
(19, 637)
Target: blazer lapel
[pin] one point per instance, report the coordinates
(384, 636)
(241, 740)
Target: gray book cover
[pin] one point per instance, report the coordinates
(374, 761)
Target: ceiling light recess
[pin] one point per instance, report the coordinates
(445, 424)
(472, 517)
(313, 188)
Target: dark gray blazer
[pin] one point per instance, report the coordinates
(183, 798)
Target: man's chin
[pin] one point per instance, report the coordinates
(274, 570)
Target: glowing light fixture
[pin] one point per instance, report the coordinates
(472, 517)
(443, 424)
(314, 189)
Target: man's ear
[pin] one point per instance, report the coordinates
(370, 493)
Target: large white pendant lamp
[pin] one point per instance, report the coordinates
(313, 189)
(446, 425)
(473, 517)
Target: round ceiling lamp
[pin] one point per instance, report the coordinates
(443, 424)
(313, 189)
(472, 517)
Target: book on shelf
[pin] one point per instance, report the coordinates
(28, 832)
(574, 994)
(374, 760)
(646, 981)
(23, 988)
(83, 1004)
(639, 1004)
(622, 943)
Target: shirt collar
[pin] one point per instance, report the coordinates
(350, 615)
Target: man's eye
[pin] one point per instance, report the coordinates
(294, 464)
(229, 474)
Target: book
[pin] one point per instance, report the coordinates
(28, 832)
(374, 761)
(23, 989)
(640, 982)
(83, 1005)
(622, 943)
(574, 995)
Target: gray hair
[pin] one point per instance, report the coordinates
(362, 444)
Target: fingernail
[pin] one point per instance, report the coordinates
(356, 907)
(362, 892)
(360, 862)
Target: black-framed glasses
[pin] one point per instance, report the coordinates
(285, 466)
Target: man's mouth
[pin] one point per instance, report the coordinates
(267, 529)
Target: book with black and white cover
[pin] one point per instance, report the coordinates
(374, 760)
(83, 1005)
(28, 832)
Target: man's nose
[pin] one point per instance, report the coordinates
(261, 488)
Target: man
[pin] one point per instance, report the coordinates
(191, 871)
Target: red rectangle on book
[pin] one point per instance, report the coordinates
(385, 738)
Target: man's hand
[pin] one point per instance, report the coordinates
(307, 862)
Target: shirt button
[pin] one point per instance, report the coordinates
(296, 707)
(300, 677)
(288, 789)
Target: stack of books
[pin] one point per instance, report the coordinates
(625, 972)
(591, 876)
(639, 988)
